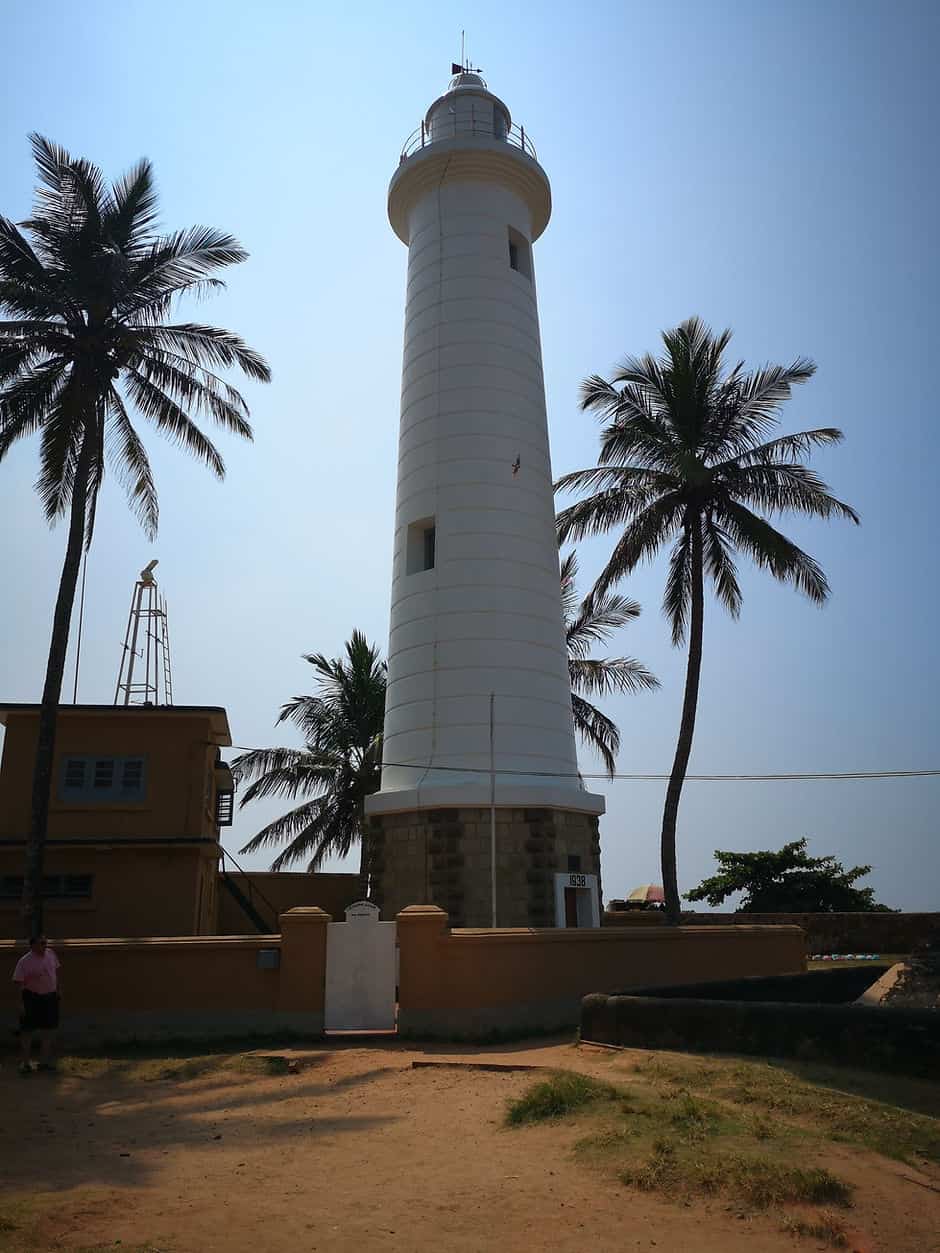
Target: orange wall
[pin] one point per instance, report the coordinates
(277, 892)
(467, 982)
(180, 794)
(139, 890)
(207, 985)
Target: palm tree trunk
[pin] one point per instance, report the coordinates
(51, 692)
(686, 730)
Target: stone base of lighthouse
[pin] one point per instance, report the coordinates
(443, 857)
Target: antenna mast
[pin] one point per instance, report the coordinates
(146, 641)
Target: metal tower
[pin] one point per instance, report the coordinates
(147, 642)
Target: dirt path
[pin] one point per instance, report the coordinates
(361, 1151)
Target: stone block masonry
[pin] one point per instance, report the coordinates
(443, 857)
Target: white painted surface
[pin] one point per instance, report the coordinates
(360, 972)
(487, 618)
(588, 899)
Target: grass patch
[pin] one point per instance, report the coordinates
(122, 1248)
(777, 1100)
(18, 1220)
(828, 1227)
(173, 1069)
(562, 1094)
(21, 1230)
(661, 1134)
(759, 1182)
(883, 959)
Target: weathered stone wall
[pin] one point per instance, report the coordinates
(442, 857)
(825, 933)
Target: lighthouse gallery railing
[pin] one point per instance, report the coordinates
(515, 136)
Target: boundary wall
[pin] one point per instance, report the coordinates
(193, 986)
(825, 933)
(474, 983)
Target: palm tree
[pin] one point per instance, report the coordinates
(338, 767)
(88, 283)
(686, 460)
(590, 622)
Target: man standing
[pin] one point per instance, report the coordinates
(37, 977)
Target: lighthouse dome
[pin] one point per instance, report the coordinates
(466, 79)
(467, 107)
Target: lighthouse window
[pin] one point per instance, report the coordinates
(422, 543)
(519, 256)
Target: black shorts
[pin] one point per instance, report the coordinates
(40, 1012)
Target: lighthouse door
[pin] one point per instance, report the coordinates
(360, 972)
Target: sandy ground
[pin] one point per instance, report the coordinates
(361, 1151)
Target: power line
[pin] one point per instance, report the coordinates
(794, 777)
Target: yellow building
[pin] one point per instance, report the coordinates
(139, 794)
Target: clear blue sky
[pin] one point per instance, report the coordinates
(771, 167)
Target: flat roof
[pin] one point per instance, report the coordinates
(216, 715)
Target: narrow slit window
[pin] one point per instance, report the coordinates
(520, 256)
(421, 552)
(75, 774)
(104, 772)
(132, 775)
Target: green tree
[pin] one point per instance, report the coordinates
(588, 622)
(686, 461)
(87, 285)
(338, 767)
(787, 882)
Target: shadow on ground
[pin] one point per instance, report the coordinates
(117, 1113)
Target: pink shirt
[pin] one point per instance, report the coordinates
(38, 974)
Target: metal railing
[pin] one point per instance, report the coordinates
(256, 899)
(515, 136)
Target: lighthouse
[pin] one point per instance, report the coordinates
(481, 809)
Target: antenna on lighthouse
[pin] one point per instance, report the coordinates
(464, 67)
(146, 647)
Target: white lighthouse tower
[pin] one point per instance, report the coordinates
(479, 740)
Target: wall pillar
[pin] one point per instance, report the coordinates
(303, 964)
(421, 933)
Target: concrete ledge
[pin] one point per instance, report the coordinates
(149, 944)
(593, 937)
(468, 157)
(459, 795)
(117, 1027)
(903, 1041)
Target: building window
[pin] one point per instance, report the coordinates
(224, 808)
(99, 779)
(55, 887)
(132, 774)
(520, 256)
(75, 774)
(574, 863)
(421, 551)
(104, 774)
